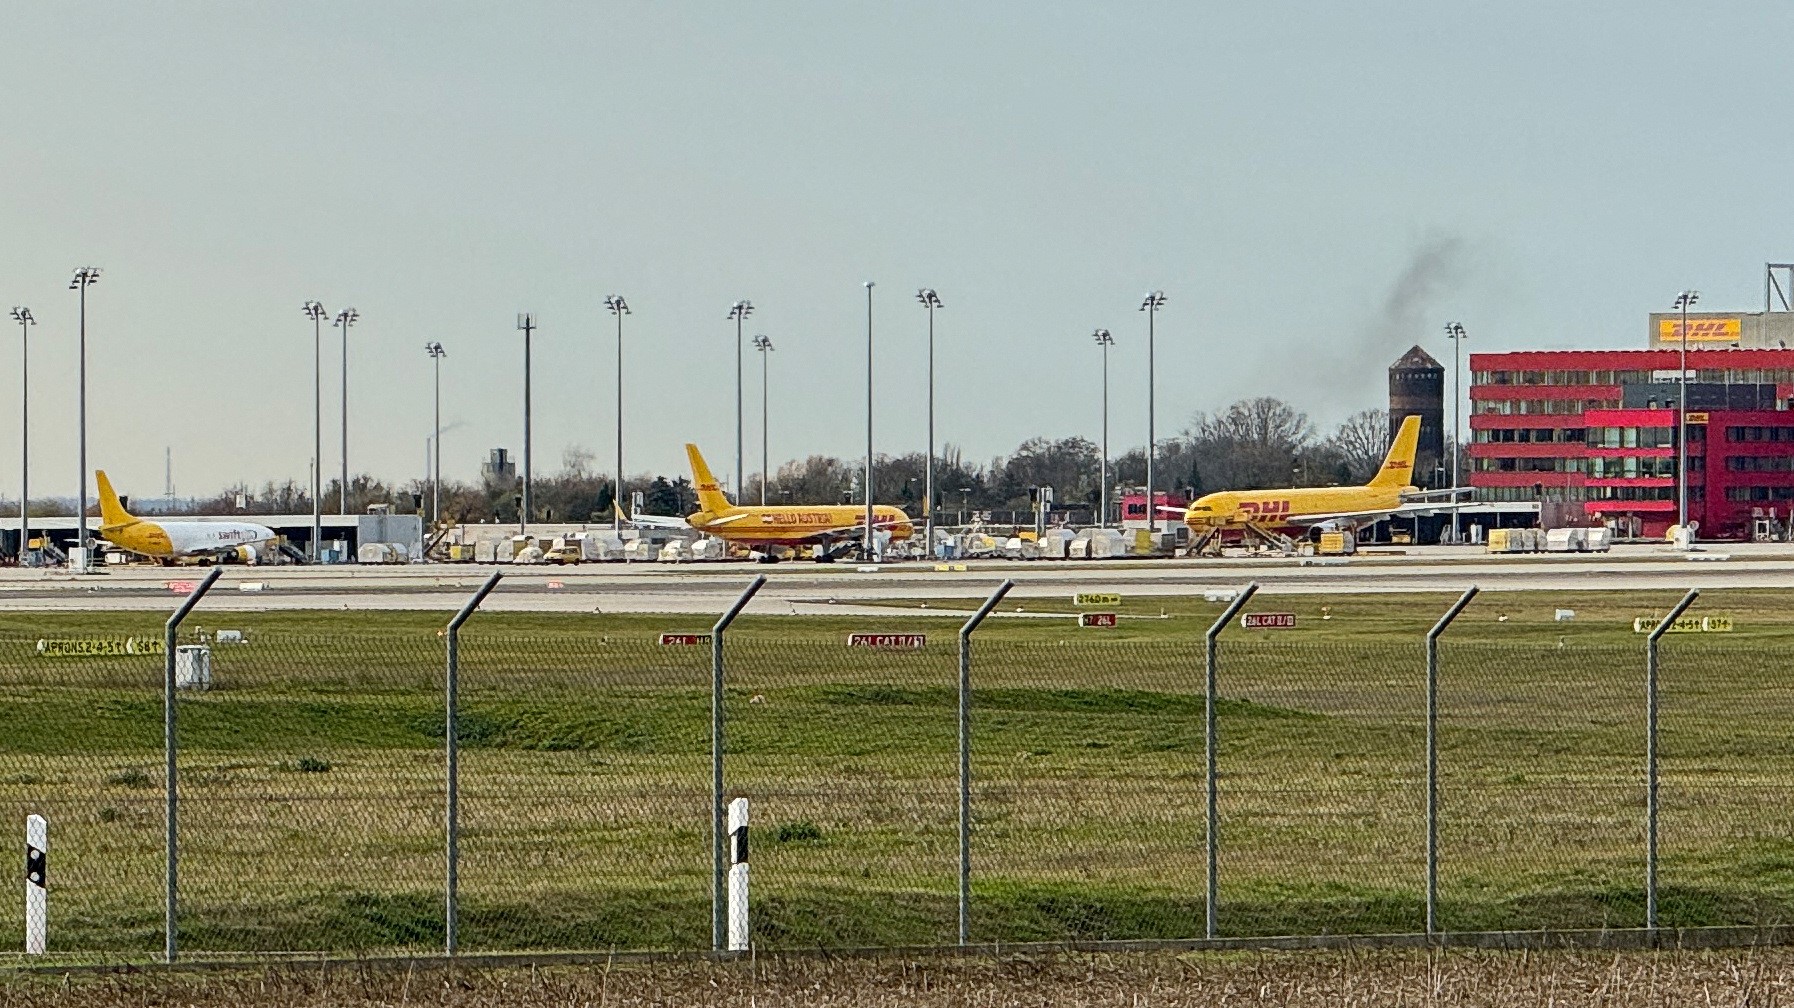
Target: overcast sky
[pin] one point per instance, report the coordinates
(1545, 173)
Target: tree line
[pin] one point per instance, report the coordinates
(1249, 445)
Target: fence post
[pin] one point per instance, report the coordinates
(1651, 755)
(451, 699)
(719, 867)
(170, 797)
(37, 884)
(1210, 738)
(740, 936)
(965, 757)
(1432, 757)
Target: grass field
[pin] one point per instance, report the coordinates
(312, 776)
(1382, 979)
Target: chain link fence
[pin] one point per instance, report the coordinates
(313, 781)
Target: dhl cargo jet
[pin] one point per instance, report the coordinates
(172, 540)
(821, 525)
(1274, 515)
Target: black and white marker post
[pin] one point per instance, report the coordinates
(738, 875)
(37, 845)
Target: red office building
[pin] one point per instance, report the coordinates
(1591, 434)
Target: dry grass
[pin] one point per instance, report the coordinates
(1385, 979)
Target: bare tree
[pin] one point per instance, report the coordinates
(1361, 442)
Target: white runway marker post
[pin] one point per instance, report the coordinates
(738, 875)
(37, 846)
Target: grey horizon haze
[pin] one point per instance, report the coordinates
(1315, 188)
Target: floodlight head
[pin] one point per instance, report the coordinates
(928, 297)
(313, 310)
(741, 309)
(435, 349)
(347, 317)
(762, 343)
(870, 284)
(617, 305)
(526, 320)
(1454, 331)
(1153, 301)
(1102, 336)
(22, 315)
(85, 276)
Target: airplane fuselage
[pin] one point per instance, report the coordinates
(796, 525)
(168, 540)
(1278, 509)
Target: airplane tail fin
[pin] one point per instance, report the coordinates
(710, 493)
(112, 510)
(1398, 465)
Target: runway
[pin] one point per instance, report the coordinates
(801, 588)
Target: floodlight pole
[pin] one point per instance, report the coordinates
(526, 321)
(739, 311)
(1683, 301)
(315, 311)
(170, 780)
(345, 319)
(871, 540)
(1651, 782)
(719, 860)
(1104, 341)
(764, 345)
(23, 316)
(1151, 304)
(1211, 739)
(1432, 757)
(931, 301)
(619, 308)
(85, 277)
(965, 757)
(436, 354)
(1457, 335)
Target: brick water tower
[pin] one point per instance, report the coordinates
(1417, 388)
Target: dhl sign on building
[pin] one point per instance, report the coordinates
(1720, 330)
(1701, 330)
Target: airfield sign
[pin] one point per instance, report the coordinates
(1095, 598)
(684, 639)
(1268, 621)
(1097, 619)
(888, 641)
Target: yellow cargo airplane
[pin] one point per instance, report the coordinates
(171, 540)
(1272, 515)
(832, 528)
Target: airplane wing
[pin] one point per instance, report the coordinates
(655, 521)
(1377, 515)
(1449, 494)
